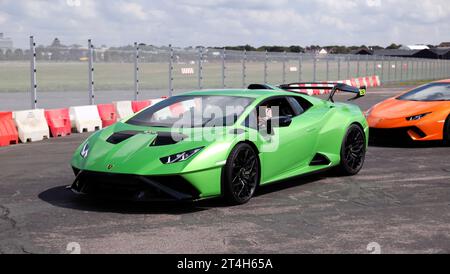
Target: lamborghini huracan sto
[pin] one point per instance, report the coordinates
(206, 144)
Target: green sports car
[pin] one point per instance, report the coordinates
(206, 144)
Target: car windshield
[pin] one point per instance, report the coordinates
(193, 111)
(429, 92)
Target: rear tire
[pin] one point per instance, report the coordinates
(241, 174)
(353, 151)
(447, 132)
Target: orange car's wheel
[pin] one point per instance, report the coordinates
(447, 131)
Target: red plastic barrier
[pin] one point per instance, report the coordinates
(177, 109)
(58, 121)
(107, 113)
(139, 105)
(8, 130)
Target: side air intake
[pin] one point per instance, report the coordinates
(320, 160)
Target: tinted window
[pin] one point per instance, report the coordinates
(298, 109)
(267, 110)
(429, 92)
(193, 111)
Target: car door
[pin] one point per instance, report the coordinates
(286, 148)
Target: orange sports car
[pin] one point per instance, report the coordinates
(421, 114)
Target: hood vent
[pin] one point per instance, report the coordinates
(121, 136)
(167, 138)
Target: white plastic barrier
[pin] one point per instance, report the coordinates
(123, 109)
(32, 125)
(85, 118)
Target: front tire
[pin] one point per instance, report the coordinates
(353, 151)
(447, 131)
(241, 174)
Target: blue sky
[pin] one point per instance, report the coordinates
(227, 22)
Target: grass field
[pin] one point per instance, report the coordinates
(73, 76)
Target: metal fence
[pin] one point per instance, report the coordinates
(105, 75)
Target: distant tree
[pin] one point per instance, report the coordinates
(296, 49)
(56, 43)
(394, 46)
(18, 54)
(246, 47)
(9, 55)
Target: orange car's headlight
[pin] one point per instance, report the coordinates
(417, 117)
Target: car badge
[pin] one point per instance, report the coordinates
(109, 166)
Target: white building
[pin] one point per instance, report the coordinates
(5, 43)
(323, 52)
(414, 47)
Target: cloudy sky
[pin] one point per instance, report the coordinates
(227, 22)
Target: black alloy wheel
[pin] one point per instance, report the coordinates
(353, 151)
(241, 174)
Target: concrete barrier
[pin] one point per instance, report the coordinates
(85, 118)
(124, 109)
(32, 125)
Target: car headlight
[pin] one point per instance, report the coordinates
(179, 157)
(84, 151)
(417, 117)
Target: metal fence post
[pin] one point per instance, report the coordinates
(414, 68)
(136, 72)
(284, 67)
(244, 69)
(389, 70)
(348, 67)
(91, 72)
(339, 68)
(315, 68)
(401, 69)
(170, 70)
(223, 67)
(327, 75)
(423, 70)
(358, 72)
(395, 70)
(200, 68)
(382, 68)
(374, 65)
(300, 67)
(367, 66)
(265, 66)
(434, 69)
(33, 82)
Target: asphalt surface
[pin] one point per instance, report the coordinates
(399, 203)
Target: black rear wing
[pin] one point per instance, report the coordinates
(331, 87)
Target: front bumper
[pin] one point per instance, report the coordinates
(133, 187)
(396, 134)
